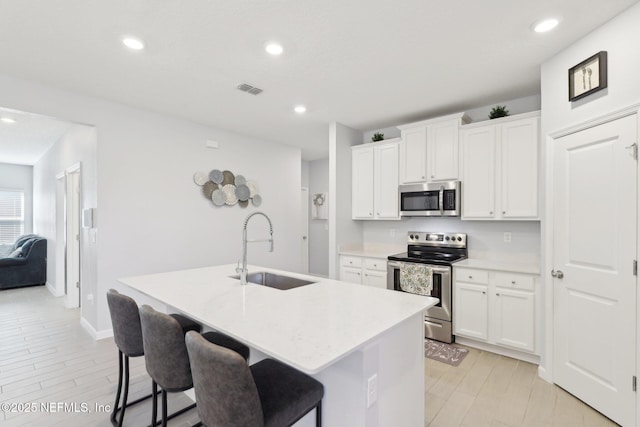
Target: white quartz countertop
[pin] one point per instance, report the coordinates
(310, 327)
(486, 264)
(371, 251)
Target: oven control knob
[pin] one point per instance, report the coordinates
(446, 238)
(411, 236)
(459, 239)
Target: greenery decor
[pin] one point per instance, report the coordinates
(498, 111)
(377, 137)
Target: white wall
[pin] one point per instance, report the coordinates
(77, 145)
(20, 177)
(151, 216)
(485, 238)
(619, 37)
(342, 229)
(318, 228)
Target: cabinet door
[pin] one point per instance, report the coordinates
(377, 279)
(514, 319)
(413, 155)
(478, 172)
(386, 181)
(442, 151)
(351, 275)
(471, 311)
(362, 183)
(519, 158)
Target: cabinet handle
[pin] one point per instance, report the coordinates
(366, 275)
(490, 212)
(358, 273)
(513, 282)
(483, 292)
(497, 295)
(423, 177)
(378, 213)
(432, 176)
(504, 212)
(375, 265)
(370, 213)
(470, 277)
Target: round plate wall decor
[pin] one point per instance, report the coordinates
(229, 191)
(256, 200)
(243, 192)
(218, 198)
(216, 176)
(208, 188)
(253, 188)
(240, 180)
(243, 203)
(200, 178)
(228, 179)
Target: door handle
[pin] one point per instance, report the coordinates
(557, 274)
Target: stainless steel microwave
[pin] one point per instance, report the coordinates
(430, 199)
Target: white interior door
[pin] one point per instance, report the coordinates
(73, 239)
(304, 209)
(595, 199)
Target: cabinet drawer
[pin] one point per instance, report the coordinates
(515, 281)
(471, 275)
(351, 261)
(375, 264)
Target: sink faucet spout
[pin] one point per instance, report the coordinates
(243, 270)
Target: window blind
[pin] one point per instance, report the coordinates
(11, 215)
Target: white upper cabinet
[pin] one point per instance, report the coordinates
(413, 155)
(375, 181)
(429, 149)
(499, 163)
(442, 151)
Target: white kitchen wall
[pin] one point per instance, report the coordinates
(20, 177)
(485, 238)
(619, 37)
(77, 145)
(318, 228)
(151, 216)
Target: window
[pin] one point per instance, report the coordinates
(11, 215)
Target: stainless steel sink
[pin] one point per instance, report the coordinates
(272, 280)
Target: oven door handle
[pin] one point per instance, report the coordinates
(441, 200)
(441, 270)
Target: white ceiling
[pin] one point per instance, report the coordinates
(26, 140)
(364, 63)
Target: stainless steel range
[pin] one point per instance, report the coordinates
(437, 251)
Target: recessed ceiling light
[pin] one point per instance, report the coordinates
(7, 120)
(545, 25)
(133, 43)
(300, 109)
(274, 49)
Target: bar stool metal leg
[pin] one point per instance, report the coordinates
(115, 405)
(154, 408)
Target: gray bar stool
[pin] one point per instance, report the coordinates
(127, 333)
(268, 393)
(166, 356)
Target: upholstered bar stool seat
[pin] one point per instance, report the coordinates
(166, 356)
(127, 334)
(230, 393)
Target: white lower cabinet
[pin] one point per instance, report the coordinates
(364, 271)
(496, 307)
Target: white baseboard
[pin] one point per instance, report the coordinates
(542, 373)
(96, 335)
(515, 354)
(52, 289)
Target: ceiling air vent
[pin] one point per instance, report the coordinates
(246, 87)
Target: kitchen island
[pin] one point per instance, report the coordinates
(365, 345)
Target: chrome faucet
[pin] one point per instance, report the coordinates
(243, 270)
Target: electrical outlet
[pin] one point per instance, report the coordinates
(507, 237)
(90, 298)
(372, 390)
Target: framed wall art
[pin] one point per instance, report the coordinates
(588, 77)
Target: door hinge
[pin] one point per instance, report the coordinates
(78, 285)
(635, 267)
(634, 150)
(634, 383)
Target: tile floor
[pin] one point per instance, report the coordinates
(47, 358)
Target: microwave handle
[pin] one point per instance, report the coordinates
(441, 200)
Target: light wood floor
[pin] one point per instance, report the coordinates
(47, 358)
